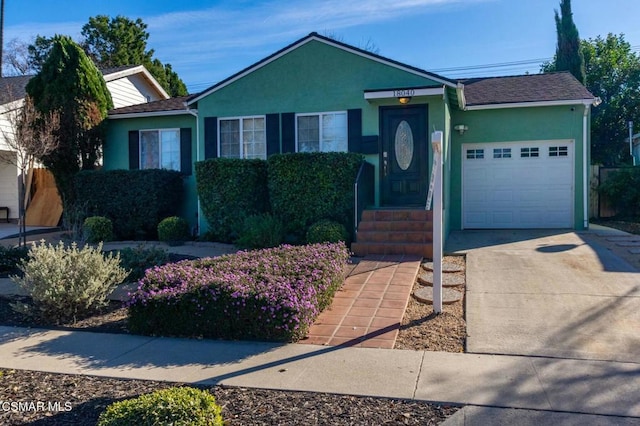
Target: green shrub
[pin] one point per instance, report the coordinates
(66, 283)
(97, 228)
(10, 258)
(622, 187)
(173, 230)
(327, 231)
(269, 294)
(135, 200)
(137, 260)
(229, 191)
(307, 187)
(173, 406)
(261, 231)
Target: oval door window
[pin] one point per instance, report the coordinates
(404, 145)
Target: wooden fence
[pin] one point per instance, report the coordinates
(600, 206)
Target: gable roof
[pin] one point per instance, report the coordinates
(560, 87)
(14, 88)
(326, 40)
(171, 106)
(115, 73)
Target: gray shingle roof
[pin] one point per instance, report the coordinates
(561, 86)
(13, 88)
(171, 104)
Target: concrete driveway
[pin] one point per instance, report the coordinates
(547, 293)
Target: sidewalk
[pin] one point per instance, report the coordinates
(553, 387)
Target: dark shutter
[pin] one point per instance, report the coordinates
(273, 134)
(134, 150)
(185, 151)
(369, 145)
(210, 137)
(289, 132)
(354, 126)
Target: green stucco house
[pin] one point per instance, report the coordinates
(516, 149)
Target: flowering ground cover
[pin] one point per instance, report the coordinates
(272, 294)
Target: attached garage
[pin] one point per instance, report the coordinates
(518, 185)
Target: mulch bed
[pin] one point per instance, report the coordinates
(79, 400)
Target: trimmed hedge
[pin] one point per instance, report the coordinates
(271, 294)
(305, 188)
(135, 200)
(230, 190)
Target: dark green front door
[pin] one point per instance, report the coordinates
(403, 157)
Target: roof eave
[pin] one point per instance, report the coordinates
(140, 69)
(148, 114)
(588, 101)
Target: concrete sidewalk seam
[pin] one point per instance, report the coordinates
(415, 388)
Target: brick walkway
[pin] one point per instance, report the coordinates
(368, 309)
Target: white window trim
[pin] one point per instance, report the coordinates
(171, 129)
(240, 118)
(320, 114)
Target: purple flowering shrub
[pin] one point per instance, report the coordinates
(271, 294)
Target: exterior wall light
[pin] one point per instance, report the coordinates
(404, 99)
(461, 128)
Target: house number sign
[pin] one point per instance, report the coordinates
(404, 93)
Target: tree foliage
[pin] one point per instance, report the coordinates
(569, 56)
(71, 85)
(613, 74)
(117, 41)
(612, 71)
(114, 42)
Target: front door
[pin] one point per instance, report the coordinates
(403, 157)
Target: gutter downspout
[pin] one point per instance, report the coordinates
(585, 168)
(194, 112)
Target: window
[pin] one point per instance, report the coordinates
(322, 132)
(243, 138)
(502, 153)
(558, 151)
(160, 149)
(529, 152)
(473, 154)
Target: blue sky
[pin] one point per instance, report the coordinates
(206, 41)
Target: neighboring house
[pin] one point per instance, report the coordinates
(516, 148)
(128, 85)
(635, 149)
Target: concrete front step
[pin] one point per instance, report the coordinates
(367, 248)
(396, 226)
(422, 237)
(395, 231)
(400, 215)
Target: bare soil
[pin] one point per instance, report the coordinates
(422, 329)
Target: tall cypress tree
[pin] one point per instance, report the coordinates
(70, 85)
(569, 56)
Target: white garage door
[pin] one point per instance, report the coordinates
(518, 185)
